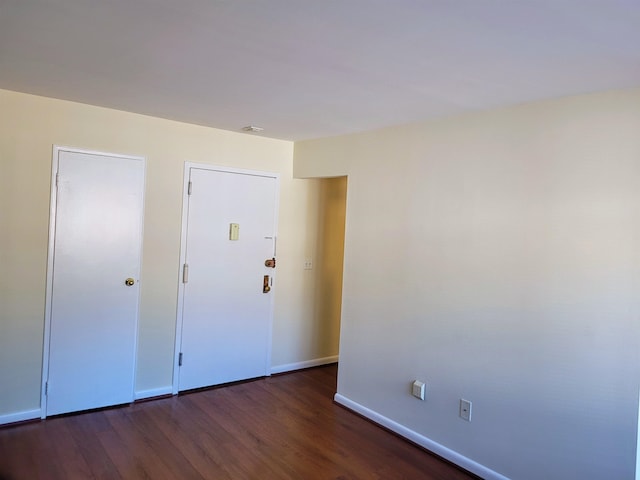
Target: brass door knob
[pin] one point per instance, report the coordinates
(129, 282)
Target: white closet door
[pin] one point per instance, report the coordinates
(94, 288)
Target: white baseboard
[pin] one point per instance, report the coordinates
(306, 364)
(154, 392)
(421, 440)
(20, 416)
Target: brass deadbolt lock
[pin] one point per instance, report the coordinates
(270, 262)
(129, 282)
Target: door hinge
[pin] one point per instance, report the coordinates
(185, 273)
(46, 388)
(189, 188)
(180, 359)
(57, 179)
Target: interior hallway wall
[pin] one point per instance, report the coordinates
(322, 283)
(328, 304)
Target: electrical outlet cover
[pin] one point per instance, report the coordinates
(465, 409)
(417, 389)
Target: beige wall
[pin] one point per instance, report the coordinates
(330, 255)
(324, 246)
(496, 256)
(30, 125)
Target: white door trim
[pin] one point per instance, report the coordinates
(50, 258)
(183, 252)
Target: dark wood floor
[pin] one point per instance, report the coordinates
(283, 427)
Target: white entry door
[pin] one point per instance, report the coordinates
(226, 308)
(96, 232)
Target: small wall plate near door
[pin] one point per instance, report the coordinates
(417, 389)
(465, 409)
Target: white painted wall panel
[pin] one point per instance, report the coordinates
(496, 257)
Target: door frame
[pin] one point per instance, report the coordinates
(53, 211)
(183, 254)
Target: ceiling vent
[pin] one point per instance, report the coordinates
(252, 128)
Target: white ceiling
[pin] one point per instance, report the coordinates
(305, 69)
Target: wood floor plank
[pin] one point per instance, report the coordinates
(26, 452)
(246, 434)
(145, 453)
(65, 446)
(179, 428)
(298, 425)
(84, 430)
(285, 427)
